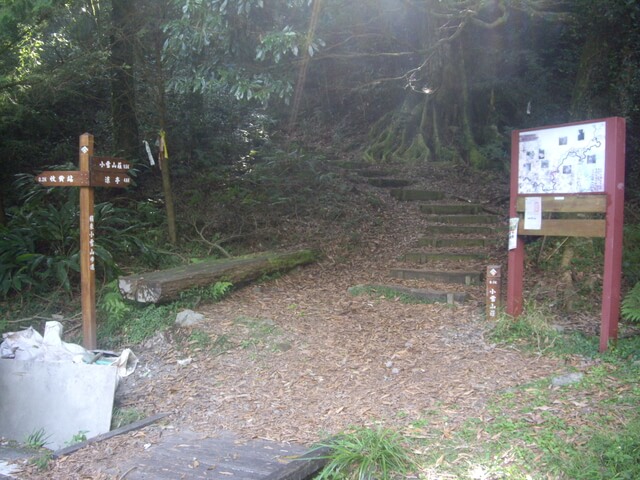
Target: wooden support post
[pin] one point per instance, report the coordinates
(614, 185)
(87, 254)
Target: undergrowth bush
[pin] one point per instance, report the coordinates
(39, 246)
(631, 254)
(131, 323)
(630, 307)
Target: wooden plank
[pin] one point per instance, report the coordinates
(118, 431)
(193, 455)
(110, 179)
(109, 164)
(302, 467)
(567, 228)
(166, 285)
(570, 203)
(59, 178)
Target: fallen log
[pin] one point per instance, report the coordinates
(166, 285)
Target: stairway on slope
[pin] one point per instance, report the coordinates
(448, 263)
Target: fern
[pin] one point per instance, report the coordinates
(630, 307)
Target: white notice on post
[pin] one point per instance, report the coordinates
(533, 213)
(513, 232)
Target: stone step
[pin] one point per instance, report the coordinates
(410, 295)
(463, 219)
(451, 209)
(389, 182)
(412, 195)
(427, 257)
(452, 242)
(460, 229)
(446, 276)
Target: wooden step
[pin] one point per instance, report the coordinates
(446, 276)
(453, 242)
(427, 257)
(407, 194)
(460, 229)
(463, 219)
(410, 295)
(389, 182)
(451, 209)
(373, 173)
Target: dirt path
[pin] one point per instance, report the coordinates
(299, 358)
(305, 360)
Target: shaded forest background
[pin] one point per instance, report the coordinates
(238, 87)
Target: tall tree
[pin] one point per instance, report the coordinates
(124, 28)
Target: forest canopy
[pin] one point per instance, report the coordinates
(429, 80)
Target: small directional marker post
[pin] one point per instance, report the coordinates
(494, 291)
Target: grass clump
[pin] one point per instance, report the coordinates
(125, 416)
(366, 453)
(608, 454)
(532, 328)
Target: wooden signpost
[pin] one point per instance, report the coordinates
(94, 172)
(493, 291)
(568, 180)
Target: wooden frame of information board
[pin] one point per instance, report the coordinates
(574, 174)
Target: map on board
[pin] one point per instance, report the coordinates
(568, 159)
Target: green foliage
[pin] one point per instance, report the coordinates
(531, 328)
(199, 340)
(125, 416)
(39, 246)
(137, 324)
(214, 292)
(630, 307)
(36, 439)
(631, 254)
(208, 34)
(79, 437)
(131, 323)
(366, 453)
(42, 461)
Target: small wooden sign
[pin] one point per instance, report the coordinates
(59, 178)
(494, 294)
(108, 164)
(110, 179)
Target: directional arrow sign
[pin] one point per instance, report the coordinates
(61, 178)
(108, 164)
(110, 179)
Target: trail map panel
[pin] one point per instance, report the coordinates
(562, 160)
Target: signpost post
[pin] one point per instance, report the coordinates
(94, 172)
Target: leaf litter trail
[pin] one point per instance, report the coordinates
(299, 358)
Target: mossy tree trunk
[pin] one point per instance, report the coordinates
(434, 121)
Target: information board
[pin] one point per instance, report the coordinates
(562, 160)
(568, 180)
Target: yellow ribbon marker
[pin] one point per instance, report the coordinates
(163, 144)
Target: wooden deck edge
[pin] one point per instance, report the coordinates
(113, 433)
(303, 467)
